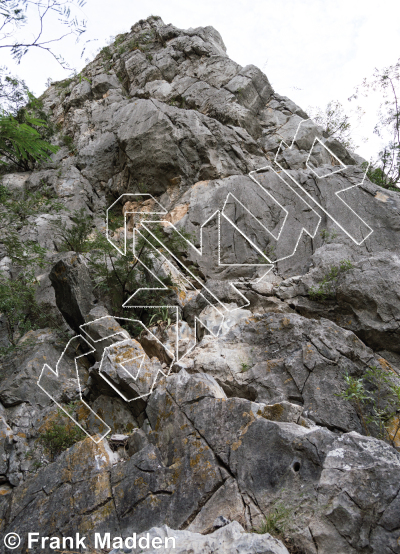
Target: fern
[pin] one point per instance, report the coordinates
(21, 144)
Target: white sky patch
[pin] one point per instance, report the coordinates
(312, 51)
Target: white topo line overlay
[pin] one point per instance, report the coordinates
(222, 309)
(316, 139)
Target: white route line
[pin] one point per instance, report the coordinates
(222, 307)
(56, 373)
(322, 177)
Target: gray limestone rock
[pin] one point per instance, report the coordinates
(228, 539)
(272, 358)
(364, 298)
(253, 422)
(73, 289)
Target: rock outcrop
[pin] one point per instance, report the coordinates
(238, 418)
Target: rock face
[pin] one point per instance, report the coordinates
(73, 289)
(231, 538)
(235, 430)
(366, 299)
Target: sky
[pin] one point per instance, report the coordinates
(312, 51)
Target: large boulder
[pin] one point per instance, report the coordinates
(228, 539)
(241, 462)
(73, 289)
(365, 296)
(274, 357)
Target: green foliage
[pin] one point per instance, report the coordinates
(21, 143)
(85, 78)
(24, 129)
(15, 210)
(327, 286)
(277, 521)
(69, 143)
(328, 237)
(335, 122)
(119, 39)
(147, 36)
(269, 252)
(355, 392)
(13, 92)
(161, 317)
(376, 397)
(64, 84)
(70, 407)
(17, 304)
(117, 277)
(74, 237)
(385, 170)
(244, 367)
(134, 45)
(20, 309)
(17, 294)
(60, 436)
(106, 53)
(377, 175)
(178, 101)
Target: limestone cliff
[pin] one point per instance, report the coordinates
(295, 279)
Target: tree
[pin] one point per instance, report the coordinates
(17, 293)
(117, 277)
(21, 142)
(22, 133)
(335, 121)
(16, 14)
(385, 170)
(13, 92)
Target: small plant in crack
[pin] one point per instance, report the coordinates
(161, 317)
(328, 237)
(245, 366)
(276, 521)
(326, 288)
(376, 398)
(356, 393)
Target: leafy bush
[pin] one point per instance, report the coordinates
(117, 277)
(376, 398)
(15, 209)
(335, 121)
(17, 294)
(69, 143)
(13, 92)
(119, 39)
(61, 436)
(327, 237)
(64, 84)
(74, 237)
(161, 317)
(106, 53)
(17, 304)
(327, 287)
(21, 143)
(385, 171)
(134, 45)
(378, 176)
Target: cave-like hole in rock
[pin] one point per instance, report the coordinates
(296, 466)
